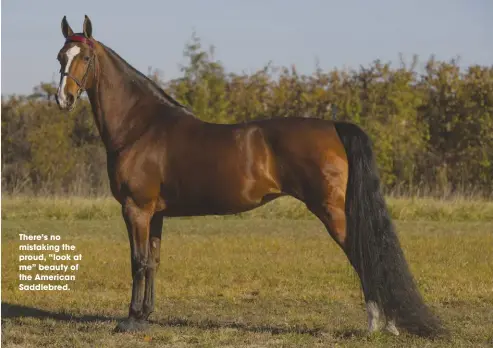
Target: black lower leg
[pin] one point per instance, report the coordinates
(137, 222)
(153, 264)
(136, 302)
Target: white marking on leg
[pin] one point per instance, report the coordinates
(71, 54)
(390, 327)
(373, 316)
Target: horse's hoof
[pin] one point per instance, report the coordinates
(132, 325)
(391, 328)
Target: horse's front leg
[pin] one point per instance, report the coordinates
(153, 264)
(137, 220)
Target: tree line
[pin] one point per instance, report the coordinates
(432, 130)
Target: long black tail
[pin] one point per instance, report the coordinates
(372, 245)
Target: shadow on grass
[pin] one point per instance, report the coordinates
(210, 324)
(18, 311)
(11, 311)
(349, 334)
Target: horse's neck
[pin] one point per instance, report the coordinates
(112, 99)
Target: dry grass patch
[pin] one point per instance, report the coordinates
(244, 283)
(404, 209)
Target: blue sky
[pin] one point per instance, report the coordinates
(247, 34)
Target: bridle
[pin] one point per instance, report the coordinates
(81, 83)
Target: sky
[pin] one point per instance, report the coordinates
(246, 34)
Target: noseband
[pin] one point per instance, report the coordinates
(80, 83)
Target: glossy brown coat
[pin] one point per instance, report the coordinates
(163, 161)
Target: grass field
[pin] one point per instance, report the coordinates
(267, 279)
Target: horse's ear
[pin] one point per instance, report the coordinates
(66, 30)
(87, 28)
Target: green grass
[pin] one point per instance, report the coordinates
(238, 282)
(404, 209)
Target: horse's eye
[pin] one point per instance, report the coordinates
(86, 58)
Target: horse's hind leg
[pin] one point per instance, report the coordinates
(328, 203)
(137, 220)
(326, 198)
(332, 215)
(333, 218)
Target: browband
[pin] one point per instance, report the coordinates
(80, 38)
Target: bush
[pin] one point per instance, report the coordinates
(433, 132)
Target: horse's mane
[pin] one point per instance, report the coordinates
(143, 80)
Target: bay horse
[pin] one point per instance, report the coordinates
(162, 161)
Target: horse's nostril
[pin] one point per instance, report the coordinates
(70, 98)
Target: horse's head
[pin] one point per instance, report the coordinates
(77, 64)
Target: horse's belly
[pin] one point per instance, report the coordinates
(204, 206)
(220, 199)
